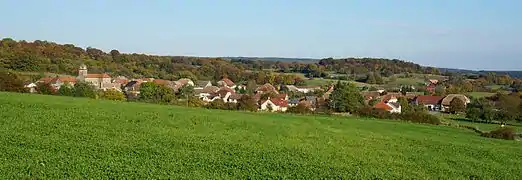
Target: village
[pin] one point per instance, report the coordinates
(278, 101)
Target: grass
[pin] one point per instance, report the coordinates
(480, 94)
(319, 82)
(49, 137)
(461, 119)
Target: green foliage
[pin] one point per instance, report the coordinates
(247, 103)
(373, 102)
(216, 104)
(457, 106)
(66, 90)
(91, 139)
(45, 88)
(502, 133)
(150, 92)
(301, 108)
(112, 94)
(186, 91)
(11, 82)
(195, 102)
(345, 98)
(413, 116)
(84, 89)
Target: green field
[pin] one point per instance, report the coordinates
(48, 137)
(480, 94)
(320, 82)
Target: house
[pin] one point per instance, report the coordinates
(132, 87)
(447, 100)
(57, 82)
(185, 82)
(433, 81)
(204, 93)
(283, 96)
(273, 104)
(326, 95)
(31, 87)
(202, 84)
(234, 98)
(392, 107)
(432, 103)
(303, 89)
(223, 93)
(115, 86)
(98, 80)
(225, 82)
(121, 80)
(266, 88)
(293, 102)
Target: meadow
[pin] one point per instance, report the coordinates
(50, 137)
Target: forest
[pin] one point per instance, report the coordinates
(45, 56)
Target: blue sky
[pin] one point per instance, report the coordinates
(471, 34)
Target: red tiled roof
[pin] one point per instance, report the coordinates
(227, 81)
(45, 80)
(121, 81)
(282, 96)
(279, 102)
(161, 81)
(428, 99)
(266, 88)
(382, 105)
(64, 79)
(104, 75)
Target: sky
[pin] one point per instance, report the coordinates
(468, 34)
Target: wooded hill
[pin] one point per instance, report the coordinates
(45, 56)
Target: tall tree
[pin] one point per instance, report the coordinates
(345, 98)
(457, 106)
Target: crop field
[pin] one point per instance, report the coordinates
(49, 137)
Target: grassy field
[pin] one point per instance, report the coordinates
(480, 94)
(47, 137)
(319, 82)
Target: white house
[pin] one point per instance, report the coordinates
(274, 104)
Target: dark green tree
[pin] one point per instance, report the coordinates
(345, 98)
(84, 89)
(66, 90)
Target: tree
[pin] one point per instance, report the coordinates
(405, 105)
(195, 102)
(45, 88)
(473, 113)
(66, 90)
(373, 102)
(112, 94)
(216, 104)
(11, 82)
(370, 78)
(301, 108)
(247, 103)
(457, 106)
(345, 98)
(186, 91)
(84, 89)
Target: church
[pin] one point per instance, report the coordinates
(100, 81)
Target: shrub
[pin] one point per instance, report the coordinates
(11, 82)
(45, 88)
(501, 133)
(301, 108)
(112, 94)
(417, 117)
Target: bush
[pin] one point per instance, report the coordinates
(112, 94)
(417, 117)
(301, 108)
(11, 82)
(501, 133)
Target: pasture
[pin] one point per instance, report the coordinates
(49, 137)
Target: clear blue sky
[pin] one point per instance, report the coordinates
(472, 34)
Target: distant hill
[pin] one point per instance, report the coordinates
(517, 74)
(301, 60)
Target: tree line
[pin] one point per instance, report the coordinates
(45, 56)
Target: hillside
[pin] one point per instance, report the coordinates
(49, 137)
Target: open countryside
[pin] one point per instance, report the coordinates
(136, 140)
(260, 90)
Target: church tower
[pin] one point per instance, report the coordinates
(82, 72)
